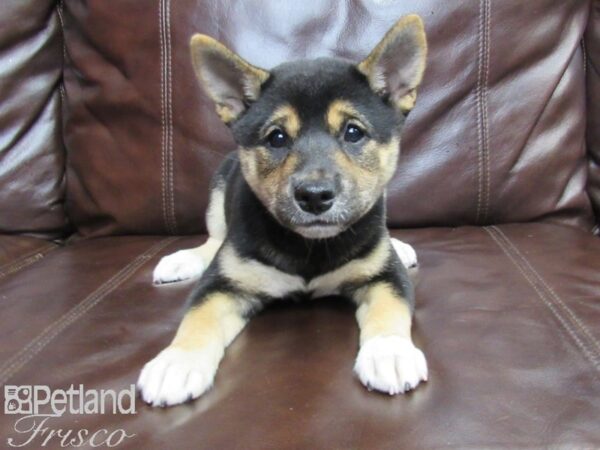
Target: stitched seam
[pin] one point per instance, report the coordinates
(547, 302)
(587, 353)
(481, 94)
(551, 291)
(478, 107)
(61, 87)
(162, 118)
(26, 260)
(484, 106)
(38, 249)
(23, 264)
(169, 48)
(20, 359)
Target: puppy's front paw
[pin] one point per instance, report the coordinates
(178, 266)
(406, 253)
(390, 364)
(176, 376)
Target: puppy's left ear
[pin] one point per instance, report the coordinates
(231, 82)
(395, 66)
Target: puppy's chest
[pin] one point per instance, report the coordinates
(253, 276)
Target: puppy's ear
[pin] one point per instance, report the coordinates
(395, 66)
(230, 81)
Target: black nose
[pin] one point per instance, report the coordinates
(315, 197)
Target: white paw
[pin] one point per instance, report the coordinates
(178, 266)
(390, 364)
(175, 376)
(406, 253)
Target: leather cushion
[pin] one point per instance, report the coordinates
(507, 316)
(592, 66)
(32, 157)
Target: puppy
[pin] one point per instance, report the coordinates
(299, 209)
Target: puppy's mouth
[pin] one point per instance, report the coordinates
(319, 229)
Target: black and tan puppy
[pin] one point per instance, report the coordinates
(299, 209)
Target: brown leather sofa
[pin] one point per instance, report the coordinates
(107, 145)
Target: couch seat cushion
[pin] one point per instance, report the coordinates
(508, 317)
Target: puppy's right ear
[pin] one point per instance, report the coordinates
(230, 81)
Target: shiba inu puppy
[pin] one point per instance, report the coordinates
(299, 209)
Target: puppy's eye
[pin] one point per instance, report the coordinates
(277, 138)
(353, 133)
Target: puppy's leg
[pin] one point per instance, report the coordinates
(186, 368)
(387, 360)
(185, 264)
(191, 263)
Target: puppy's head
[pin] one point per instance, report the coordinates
(318, 139)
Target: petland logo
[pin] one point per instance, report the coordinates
(35, 426)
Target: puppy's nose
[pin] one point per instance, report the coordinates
(315, 196)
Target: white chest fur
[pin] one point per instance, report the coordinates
(255, 277)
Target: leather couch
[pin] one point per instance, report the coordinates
(107, 145)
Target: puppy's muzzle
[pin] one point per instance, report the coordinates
(315, 196)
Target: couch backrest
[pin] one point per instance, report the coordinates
(498, 133)
(592, 68)
(32, 157)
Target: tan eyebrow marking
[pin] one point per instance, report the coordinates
(339, 112)
(287, 117)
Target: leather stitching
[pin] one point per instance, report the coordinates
(588, 353)
(170, 117)
(481, 94)
(486, 131)
(552, 292)
(166, 110)
(162, 117)
(478, 103)
(21, 358)
(26, 260)
(166, 118)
